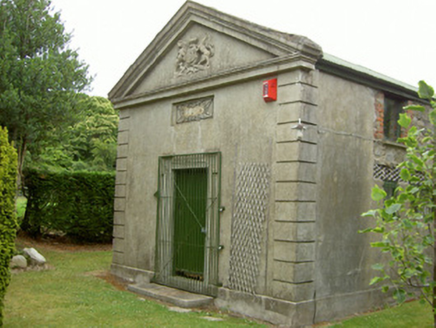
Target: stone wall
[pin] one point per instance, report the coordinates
(344, 178)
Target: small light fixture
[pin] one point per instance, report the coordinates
(300, 128)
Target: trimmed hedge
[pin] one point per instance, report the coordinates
(8, 221)
(78, 204)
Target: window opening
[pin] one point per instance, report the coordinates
(392, 109)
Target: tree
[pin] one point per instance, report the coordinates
(406, 221)
(39, 74)
(88, 144)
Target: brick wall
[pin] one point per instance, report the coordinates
(379, 116)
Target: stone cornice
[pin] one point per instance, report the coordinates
(257, 70)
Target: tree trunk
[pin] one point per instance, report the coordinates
(22, 148)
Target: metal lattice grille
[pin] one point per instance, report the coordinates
(386, 173)
(248, 225)
(188, 222)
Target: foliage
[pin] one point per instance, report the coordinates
(20, 205)
(88, 144)
(79, 204)
(39, 74)
(406, 220)
(8, 223)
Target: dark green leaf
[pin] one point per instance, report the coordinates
(370, 213)
(417, 160)
(400, 295)
(405, 174)
(415, 107)
(378, 194)
(425, 91)
(379, 244)
(407, 223)
(414, 190)
(375, 280)
(404, 120)
(432, 117)
(393, 208)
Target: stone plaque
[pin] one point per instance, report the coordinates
(194, 110)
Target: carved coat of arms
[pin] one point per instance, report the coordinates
(193, 55)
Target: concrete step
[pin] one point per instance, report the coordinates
(174, 296)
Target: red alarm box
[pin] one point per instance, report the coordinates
(270, 90)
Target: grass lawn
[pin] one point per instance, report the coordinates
(408, 315)
(70, 295)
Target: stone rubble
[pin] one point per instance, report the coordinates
(31, 259)
(35, 257)
(18, 262)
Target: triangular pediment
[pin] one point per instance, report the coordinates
(199, 43)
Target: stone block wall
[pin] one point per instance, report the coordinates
(295, 187)
(120, 189)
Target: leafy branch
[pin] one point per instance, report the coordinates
(406, 220)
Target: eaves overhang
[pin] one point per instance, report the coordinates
(362, 75)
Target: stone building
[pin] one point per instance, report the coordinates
(228, 189)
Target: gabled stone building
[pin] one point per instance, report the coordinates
(245, 159)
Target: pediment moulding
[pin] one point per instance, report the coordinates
(199, 42)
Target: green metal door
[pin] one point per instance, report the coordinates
(187, 235)
(190, 200)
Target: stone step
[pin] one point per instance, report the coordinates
(174, 296)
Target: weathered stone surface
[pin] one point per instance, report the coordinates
(35, 257)
(295, 211)
(297, 92)
(179, 309)
(293, 292)
(123, 137)
(294, 252)
(294, 231)
(18, 261)
(212, 319)
(292, 112)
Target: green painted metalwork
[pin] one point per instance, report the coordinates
(187, 236)
(190, 189)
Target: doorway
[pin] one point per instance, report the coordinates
(187, 238)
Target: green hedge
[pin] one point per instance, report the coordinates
(8, 221)
(78, 204)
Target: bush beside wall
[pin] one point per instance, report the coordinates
(8, 222)
(79, 204)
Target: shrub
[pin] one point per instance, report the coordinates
(79, 204)
(8, 223)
